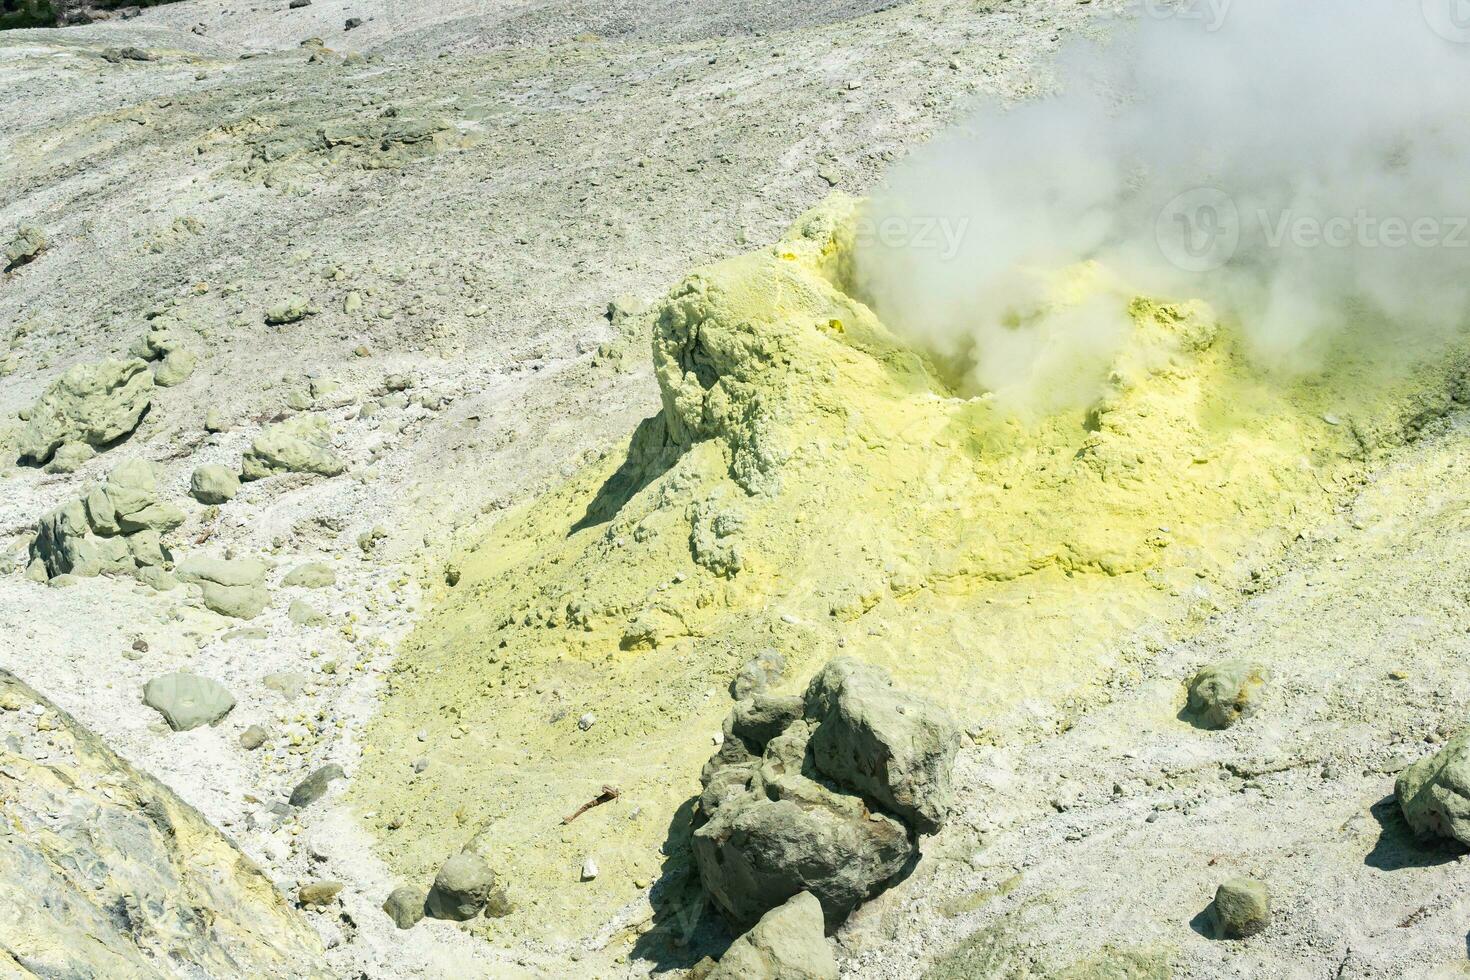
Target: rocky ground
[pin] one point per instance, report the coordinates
(412, 230)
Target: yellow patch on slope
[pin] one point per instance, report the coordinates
(812, 485)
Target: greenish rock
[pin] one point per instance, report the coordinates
(287, 684)
(313, 575)
(1222, 694)
(1434, 793)
(298, 445)
(253, 737)
(66, 544)
(214, 420)
(214, 484)
(293, 309)
(498, 905)
(461, 888)
(187, 700)
(303, 613)
(146, 549)
(29, 242)
(318, 893)
(895, 747)
(71, 457)
(315, 786)
(157, 578)
(405, 906)
(96, 404)
(230, 588)
(1242, 908)
(788, 943)
(175, 368)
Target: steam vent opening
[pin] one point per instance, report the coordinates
(829, 489)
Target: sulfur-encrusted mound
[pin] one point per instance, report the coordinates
(96, 404)
(302, 444)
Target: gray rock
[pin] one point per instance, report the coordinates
(253, 738)
(303, 613)
(70, 458)
(1242, 908)
(187, 701)
(315, 786)
(786, 944)
(1222, 694)
(96, 404)
(405, 906)
(214, 484)
(175, 368)
(498, 905)
(895, 747)
(287, 684)
(29, 242)
(318, 893)
(66, 544)
(314, 575)
(302, 444)
(1434, 793)
(293, 309)
(231, 588)
(462, 888)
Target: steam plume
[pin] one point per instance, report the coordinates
(1304, 165)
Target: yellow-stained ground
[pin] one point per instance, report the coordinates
(813, 485)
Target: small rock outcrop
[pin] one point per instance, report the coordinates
(105, 872)
(313, 575)
(29, 242)
(233, 588)
(1222, 694)
(1241, 909)
(187, 701)
(405, 906)
(462, 888)
(302, 444)
(1434, 793)
(96, 404)
(116, 528)
(214, 484)
(315, 786)
(790, 807)
(788, 943)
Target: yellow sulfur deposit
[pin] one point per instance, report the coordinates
(813, 484)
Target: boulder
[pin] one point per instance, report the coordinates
(893, 746)
(29, 242)
(105, 872)
(318, 893)
(293, 309)
(253, 738)
(315, 786)
(175, 368)
(313, 575)
(231, 588)
(786, 944)
(1222, 694)
(1434, 793)
(96, 404)
(1242, 908)
(70, 458)
(116, 528)
(778, 817)
(462, 888)
(302, 444)
(405, 906)
(187, 701)
(214, 484)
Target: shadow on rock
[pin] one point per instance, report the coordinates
(650, 454)
(682, 933)
(1398, 847)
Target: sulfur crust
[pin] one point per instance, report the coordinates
(999, 564)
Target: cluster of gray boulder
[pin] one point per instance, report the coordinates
(115, 528)
(466, 886)
(823, 794)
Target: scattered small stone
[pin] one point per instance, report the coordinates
(352, 24)
(451, 575)
(315, 786)
(253, 738)
(292, 310)
(214, 421)
(187, 701)
(319, 893)
(298, 4)
(586, 721)
(1242, 908)
(405, 906)
(462, 887)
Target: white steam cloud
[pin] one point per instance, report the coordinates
(1303, 165)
